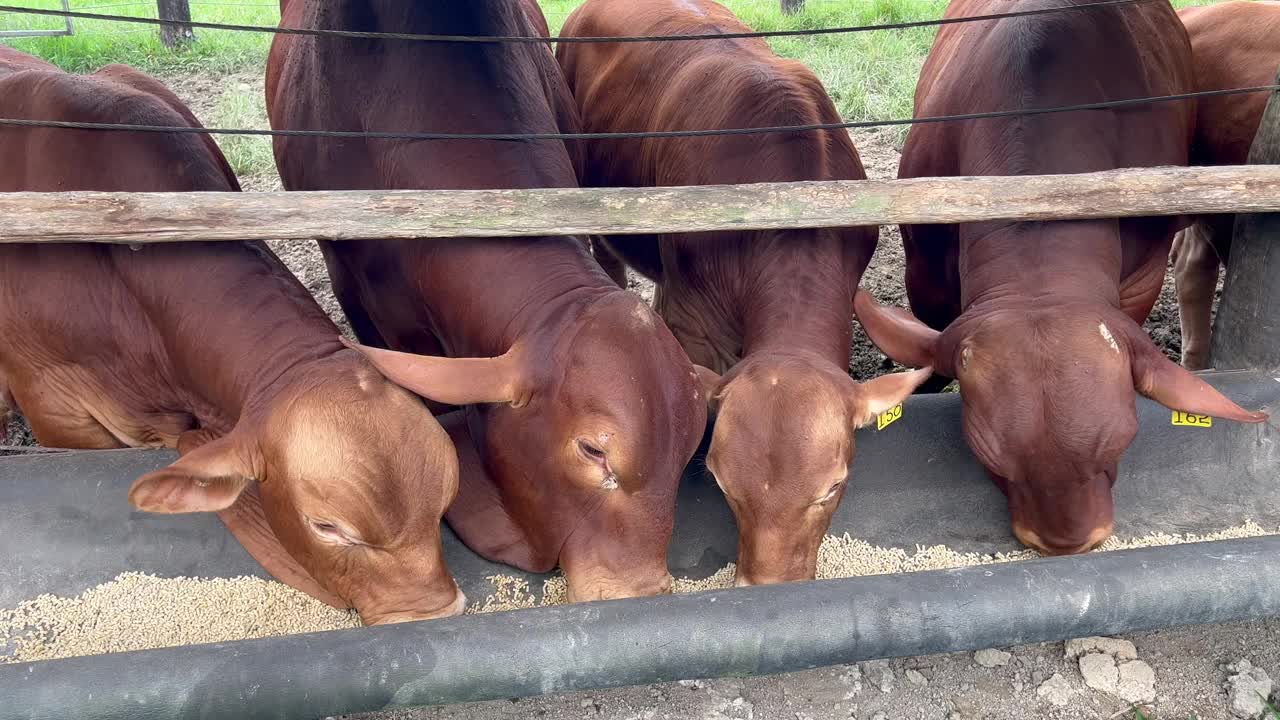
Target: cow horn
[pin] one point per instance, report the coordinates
(452, 381)
(897, 333)
(1173, 386)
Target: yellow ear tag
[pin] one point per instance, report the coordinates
(1189, 420)
(888, 417)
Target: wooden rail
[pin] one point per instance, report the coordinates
(175, 217)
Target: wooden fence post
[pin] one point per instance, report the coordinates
(173, 35)
(1246, 332)
(791, 7)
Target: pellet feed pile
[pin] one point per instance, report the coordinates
(844, 556)
(136, 611)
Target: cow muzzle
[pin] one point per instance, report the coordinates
(777, 555)
(1036, 542)
(609, 588)
(455, 607)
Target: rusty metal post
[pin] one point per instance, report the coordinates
(1246, 332)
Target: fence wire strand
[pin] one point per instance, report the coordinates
(523, 137)
(517, 39)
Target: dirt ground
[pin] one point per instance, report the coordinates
(1189, 664)
(1190, 667)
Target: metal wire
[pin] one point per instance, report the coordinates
(313, 32)
(522, 137)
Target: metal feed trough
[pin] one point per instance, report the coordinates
(67, 526)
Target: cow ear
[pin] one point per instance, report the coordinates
(452, 381)
(1173, 386)
(876, 396)
(896, 332)
(708, 385)
(207, 479)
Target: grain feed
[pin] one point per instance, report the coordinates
(844, 556)
(137, 611)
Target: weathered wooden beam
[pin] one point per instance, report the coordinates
(348, 215)
(1246, 332)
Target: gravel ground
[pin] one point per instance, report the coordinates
(1190, 669)
(1196, 671)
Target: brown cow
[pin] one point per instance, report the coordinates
(1235, 44)
(771, 310)
(582, 410)
(332, 477)
(1040, 322)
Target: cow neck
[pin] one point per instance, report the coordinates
(1046, 263)
(240, 331)
(503, 17)
(796, 295)
(534, 284)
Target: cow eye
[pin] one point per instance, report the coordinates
(831, 494)
(332, 533)
(591, 452)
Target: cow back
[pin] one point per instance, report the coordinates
(140, 315)
(1057, 59)
(464, 88)
(1235, 44)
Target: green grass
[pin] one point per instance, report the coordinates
(97, 43)
(870, 75)
(244, 106)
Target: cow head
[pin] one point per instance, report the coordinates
(584, 432)
(336, 486)
(1049, 404)
(782, 450)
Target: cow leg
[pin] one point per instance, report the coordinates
(933, 283)
(58, 424)
(613, 265)
(641, 252)
(6, 409)
(348, 294)
(1195, 274)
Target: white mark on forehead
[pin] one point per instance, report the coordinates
(773, 381)
(965, 356)
(692, 8)
(1106, 335)
(365, 379)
